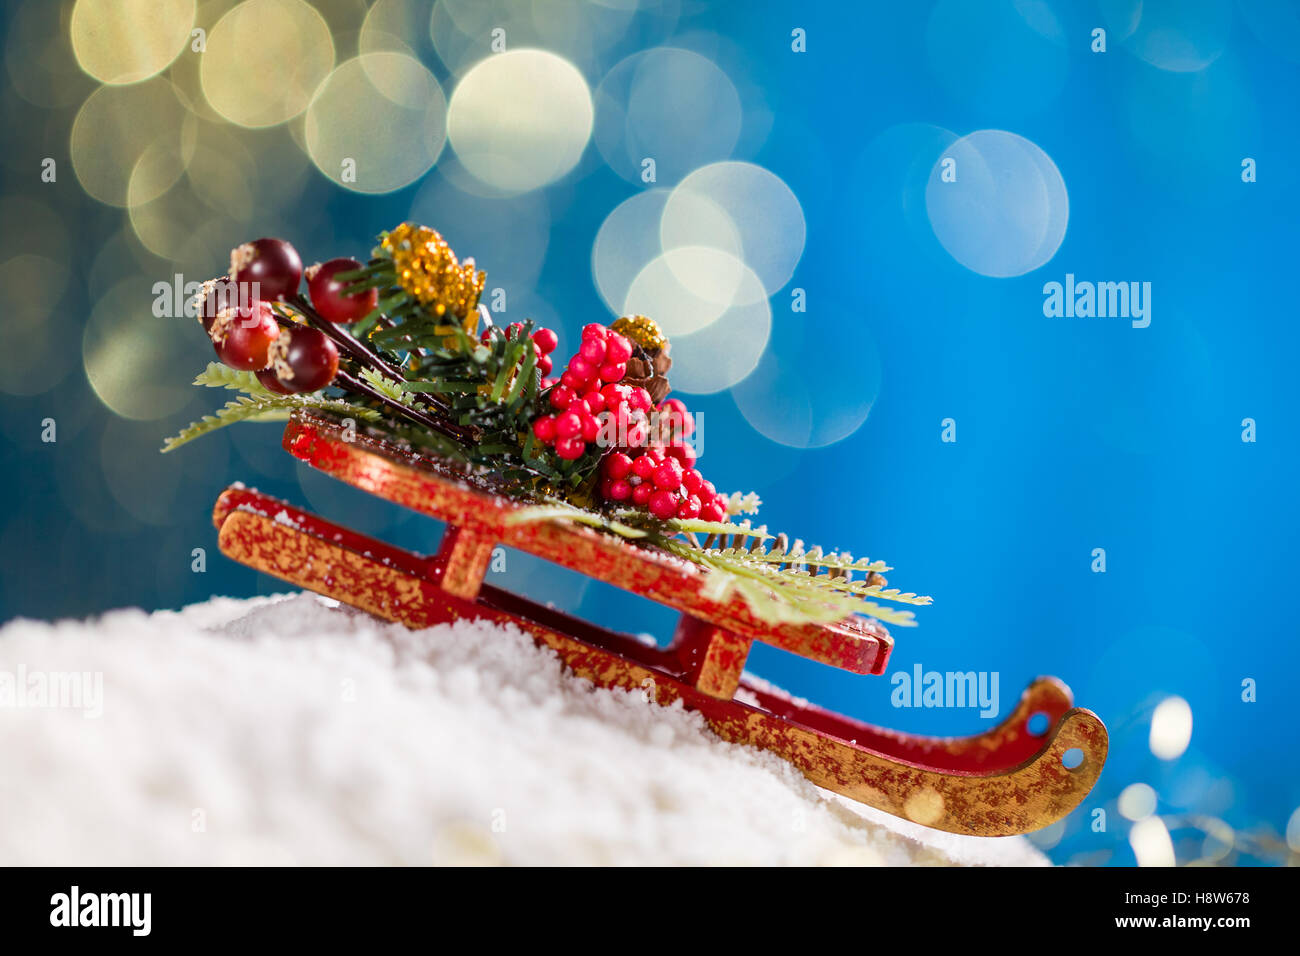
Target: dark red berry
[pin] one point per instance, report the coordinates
(267, 377)
(272, 263)
(243, 338)
(218, 296)
(327, 292)
(304, 359)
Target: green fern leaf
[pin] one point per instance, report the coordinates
(217, 375)
(270, 408)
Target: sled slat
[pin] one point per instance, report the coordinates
(856, 644)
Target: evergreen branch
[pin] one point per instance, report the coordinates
(397, 392)
(774, 593)
(217, 375)
(557, 511)
(247, 408)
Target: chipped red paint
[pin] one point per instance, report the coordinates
(1000, 782)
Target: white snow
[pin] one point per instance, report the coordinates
(290, 730)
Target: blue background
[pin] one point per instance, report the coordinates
(1072, 434)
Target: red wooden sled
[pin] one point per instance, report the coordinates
(1004, 781)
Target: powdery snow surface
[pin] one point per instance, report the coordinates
(290, 730)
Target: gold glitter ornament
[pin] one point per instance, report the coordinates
(431, 274)
(642, 330)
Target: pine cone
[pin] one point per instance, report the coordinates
(648, 367)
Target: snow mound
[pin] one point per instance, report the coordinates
(290, 730)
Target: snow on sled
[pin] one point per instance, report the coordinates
(1007, 780)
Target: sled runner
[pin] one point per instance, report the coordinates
(1007, 780)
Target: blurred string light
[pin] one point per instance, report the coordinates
(1137, 801)
(1006, 211)
(143, 132)
(126, 41)
(1180, 36)
(378, 123)
(670, 105)
(264, 60)
(1151, 843)
(520, 120)
(1171, 728)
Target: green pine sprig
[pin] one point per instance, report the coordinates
(780, 583)
(266, 408)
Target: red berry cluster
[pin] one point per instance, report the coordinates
(587, 389)
(661, 475)
(248, 336)
(650, 465)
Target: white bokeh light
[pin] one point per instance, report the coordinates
(726, 350)
(688, 288)
(378, 123)
(1137, 801)
(1171, 728)
(670, 105)
(1151, 843)
(126, 41)
(626, 242)
(264, 59)
(520, 120)
(1007, 209)
(762, 211)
